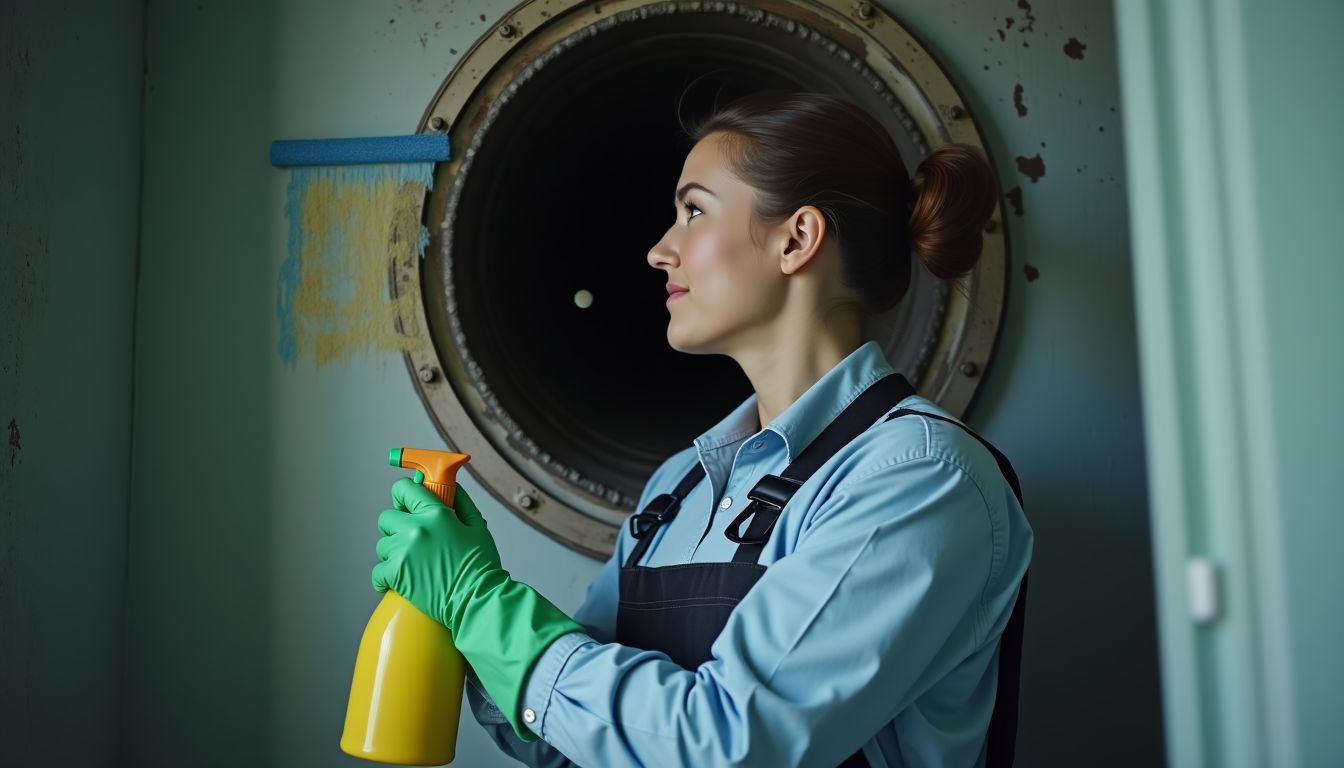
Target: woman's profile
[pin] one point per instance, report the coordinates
(824, 576)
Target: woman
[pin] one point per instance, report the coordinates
(827, 589)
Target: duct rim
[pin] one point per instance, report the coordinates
(954, 355)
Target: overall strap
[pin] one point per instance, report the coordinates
(772, 492)
(1002, 740)
(659, 510)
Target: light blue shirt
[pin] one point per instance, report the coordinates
(892, 573)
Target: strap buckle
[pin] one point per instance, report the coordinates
(662, 508)
(769, 496)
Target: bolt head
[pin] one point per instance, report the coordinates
(427, 374)
(969, 369)
(526, 500)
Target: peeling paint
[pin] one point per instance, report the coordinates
(15, 443)
(1017, 101)
(1015, 199)
(1030, 17)
(346, 224)
(1074, 48)
(1031, 167)
(1031, 272)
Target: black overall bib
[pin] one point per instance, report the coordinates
(681, 609)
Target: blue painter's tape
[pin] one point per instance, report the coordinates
(287, 153)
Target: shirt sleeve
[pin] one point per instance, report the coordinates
(597, 614)
(598, 617)
(537, 754)
(883, 596)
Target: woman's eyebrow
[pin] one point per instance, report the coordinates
(688, 186)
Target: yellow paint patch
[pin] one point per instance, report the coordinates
(351, 224)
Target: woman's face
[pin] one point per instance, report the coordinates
(733, 288)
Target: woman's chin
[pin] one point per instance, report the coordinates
(679, 340)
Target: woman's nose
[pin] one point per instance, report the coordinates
(661, 255)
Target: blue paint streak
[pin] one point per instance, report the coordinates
(290, 268)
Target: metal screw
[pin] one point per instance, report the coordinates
(991, 225)
(956, 112)
(437, 123)
(969, 369)
(526, 500)
(865, 11)
(427, 374)
(507, 31)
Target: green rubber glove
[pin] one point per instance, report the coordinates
(445, 563)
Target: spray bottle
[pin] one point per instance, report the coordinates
(406, 695)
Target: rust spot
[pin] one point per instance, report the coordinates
(1009, 21)
(1001, 35)
(1074, 48)
(482, 17)
(1031, 17)
(1015, 199)
(14, 444)
(1031, 167)
(1031, 272)
(1017, 101)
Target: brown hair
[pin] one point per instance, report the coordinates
(804, 148)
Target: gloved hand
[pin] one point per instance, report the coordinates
(445, 563)
(428, 549)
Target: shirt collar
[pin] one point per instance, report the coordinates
(803, 420)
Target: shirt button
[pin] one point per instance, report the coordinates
(529, 716)
(726, 503)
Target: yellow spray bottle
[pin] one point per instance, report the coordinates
(406, 695)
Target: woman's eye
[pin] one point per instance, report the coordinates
(691, 207)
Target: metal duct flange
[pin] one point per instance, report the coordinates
(535, 300)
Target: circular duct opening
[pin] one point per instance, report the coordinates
(540, 305)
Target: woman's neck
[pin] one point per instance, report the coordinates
(783, 368)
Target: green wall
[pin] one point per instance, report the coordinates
(1298, 167)
(1232, 123)
(254, 487)
(70, 120)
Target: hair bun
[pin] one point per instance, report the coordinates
(955, 192)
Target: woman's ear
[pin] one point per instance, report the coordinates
(803, 235)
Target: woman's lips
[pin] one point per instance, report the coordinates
(675, 295)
